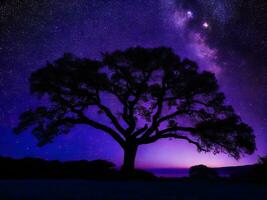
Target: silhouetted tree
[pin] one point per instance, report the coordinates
(147, 94)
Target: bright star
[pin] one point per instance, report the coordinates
(189, 14)
(205, 25)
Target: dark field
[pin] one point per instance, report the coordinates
(164, 190)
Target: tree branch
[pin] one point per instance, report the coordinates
(201, 103)
(113, 119)
(128, 106)
(140, 131)
(85, 120)
(107, 129)
(155, 117)
(128, 115)
(169, 116)
(178, 128)
(173, 135)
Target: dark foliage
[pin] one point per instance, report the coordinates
(156, 92)
(34, 168)
(256, 173)
(202, 172)
(260, 172)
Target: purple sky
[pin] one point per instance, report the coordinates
(227, 37)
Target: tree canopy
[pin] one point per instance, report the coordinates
(157, 94)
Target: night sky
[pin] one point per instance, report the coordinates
(227, 37)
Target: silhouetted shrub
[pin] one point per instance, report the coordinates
(259, 172)
(255, 173)
(33, 168)
(202, 172)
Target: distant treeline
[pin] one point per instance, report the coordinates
(34, 168)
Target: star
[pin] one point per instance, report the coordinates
(189, 14)
(205, 25)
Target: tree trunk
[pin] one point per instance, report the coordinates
(129, 157)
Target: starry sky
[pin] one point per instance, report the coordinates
(227, 37)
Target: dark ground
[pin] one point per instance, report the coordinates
(164, 190)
